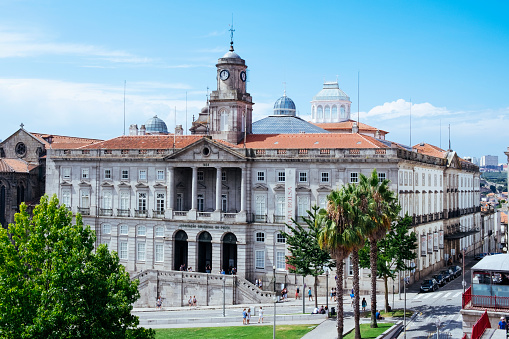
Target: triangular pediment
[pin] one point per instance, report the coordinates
(302, 189)
(124, 184)
(65, 183)
(159, 185)
(141, 185)
(106, 184)
(260, 187)
(324, 189)
(180, 185)
(84, 184)
(279, 187)
(209, 151)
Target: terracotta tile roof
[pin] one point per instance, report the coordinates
(64, 142)
(145, 142)
(428, 149)
(324, 140)
(14, 165)
(503, 218)
(347, 126)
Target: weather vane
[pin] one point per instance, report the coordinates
(231, 35)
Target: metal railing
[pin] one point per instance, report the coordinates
(123, 212)
(108, 212)
(140, 213)
(260, 217)
(466, 297)
(84, 210)
(279, 218)
(158, 214)
(480, 326)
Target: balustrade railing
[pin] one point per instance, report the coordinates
(140, 213)
(84, 210)
(158, 214)
(123, 212)
(108, 212)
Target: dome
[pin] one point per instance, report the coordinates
(204, 110)
(284, 106)
(331, 91)
(231, 55)
(156, 126)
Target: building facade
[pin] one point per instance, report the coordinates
(219, 201)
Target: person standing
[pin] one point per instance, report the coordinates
(244, 317)
(190, 301)
(364, 304)
(502, 324)
(248, 315)
(194, 300)
(310, 294)
(260, 315)
(297, 294)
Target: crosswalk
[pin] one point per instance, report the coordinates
(435, 295)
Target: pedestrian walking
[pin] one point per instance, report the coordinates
(248, 315)
(310, 294)
(190, 301)
(194, 300)
(244, 317)
(159, 302)
(297, 293)
(260, 315)
(364, 304)
(331, 293)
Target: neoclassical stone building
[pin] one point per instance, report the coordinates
(219, 198)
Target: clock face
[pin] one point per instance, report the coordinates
(224, 74)
(243, 76)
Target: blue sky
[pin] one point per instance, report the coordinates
(63, 64)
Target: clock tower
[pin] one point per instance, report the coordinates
(230, 106)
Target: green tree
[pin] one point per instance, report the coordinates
(53, 285)
(307, 258)
(397, 246)
(382, 208)
(339, 238)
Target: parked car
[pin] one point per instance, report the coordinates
(447, 275)
(440, 279)
(456, 270)
(429, 285)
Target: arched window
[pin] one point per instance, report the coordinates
(159, 231)
(142, 230)
(224, 121)
(327, 113)
(334, 112)
(319, 112)
(343, 115)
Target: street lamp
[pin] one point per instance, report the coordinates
(274, 273)
(437, 323)
(327, 287)
(274, 330)
(407, 280)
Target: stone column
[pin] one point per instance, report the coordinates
(216, 257)
(171, 193)
(194, 188)
(243, 191)
(218, 189)
(192, 254)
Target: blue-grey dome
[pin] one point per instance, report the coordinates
(331, 91)
(284, 106)
(284, 125)
(156, 126)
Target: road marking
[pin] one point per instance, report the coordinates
(460, 317)
(447, 295)
(427, 296)
(418, 296)
(437, 295)
(456, 295)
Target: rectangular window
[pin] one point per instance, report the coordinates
(142, 175)
(324, 177)
(381, 176)
(281, 176)
(160, 199)
(280, 238)
(160, 174)
(106, 200)
(159, 231)
(124, 229)
(142, 201)
(85, 199)
(142, 231)
(180, 200)
(260, 237)
(141, 251)
(354, 177)
(66, 198)
(260, 176)
(66, 173)
(159, 252)
(122, 253)
(224, 202)
(423, 179)
(260, 206)
(200, 175)
(201, 202)
(223, 176)
(280, 260)
(107, 174)
(124, 200)
(322, 201)
(124, 174)
(85, 173)
(280, 205)
(106, 229)
(303, 177)
(302, 206)
(260, 260)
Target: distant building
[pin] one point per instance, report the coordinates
(489, 161)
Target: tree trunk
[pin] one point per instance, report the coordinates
(339, 294)
(373, 255)
(315, 291)
(386, 295)
(356, 310)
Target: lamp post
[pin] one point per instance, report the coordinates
(407, 279)
(326, 287)
(463, 260)
(224, 295)
(274, 273)
(437, 323)
(303, 295)
(274, 329)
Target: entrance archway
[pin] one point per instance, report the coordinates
(229, 251)
(180, 255)
(204, 251)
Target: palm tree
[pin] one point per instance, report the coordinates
(338, 236)
(382, 208)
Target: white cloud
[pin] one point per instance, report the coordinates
(400, 108)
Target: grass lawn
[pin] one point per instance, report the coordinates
(393, 313)
(368, 332)
(282, 331)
